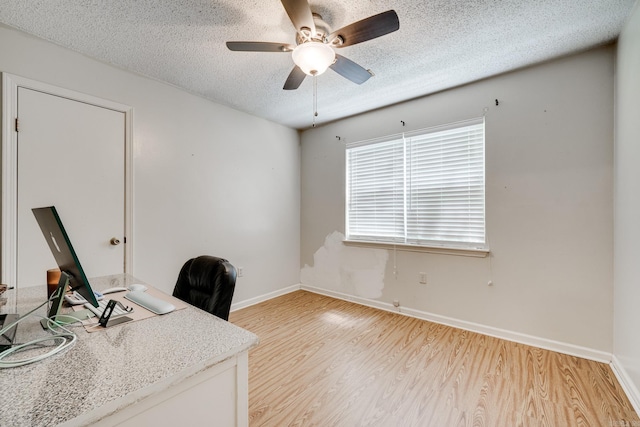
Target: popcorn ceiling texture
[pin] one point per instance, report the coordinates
(440, 44)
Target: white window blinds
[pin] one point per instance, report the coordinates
(375, 181)
(422, 188)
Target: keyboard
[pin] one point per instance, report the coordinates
(118, 310)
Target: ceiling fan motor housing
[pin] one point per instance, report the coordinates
(322, 32)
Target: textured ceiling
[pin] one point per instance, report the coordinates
(440, 44)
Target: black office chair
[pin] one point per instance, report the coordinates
(208, 283)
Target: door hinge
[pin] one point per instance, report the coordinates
(17, 127)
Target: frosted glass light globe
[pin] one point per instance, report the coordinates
(313, 57)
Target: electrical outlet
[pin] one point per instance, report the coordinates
(240, 271)
(423, 278)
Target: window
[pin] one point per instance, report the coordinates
(424, 188)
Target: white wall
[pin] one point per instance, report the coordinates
(627, 204)
(208, 179)
(549, 190)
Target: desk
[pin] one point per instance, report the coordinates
(187, 367)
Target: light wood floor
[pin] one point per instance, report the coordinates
(327, 362)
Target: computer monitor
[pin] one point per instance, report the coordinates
(62, 250)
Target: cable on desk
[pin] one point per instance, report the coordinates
(66, 339)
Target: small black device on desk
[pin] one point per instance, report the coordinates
(6, 339)
(111, 313)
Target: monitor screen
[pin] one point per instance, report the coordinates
(62, 250)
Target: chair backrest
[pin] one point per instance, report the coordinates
(208, 283)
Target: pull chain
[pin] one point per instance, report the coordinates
(315, 100)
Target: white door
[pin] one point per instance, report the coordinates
(70, 155)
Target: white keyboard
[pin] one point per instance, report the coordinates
(102, 304)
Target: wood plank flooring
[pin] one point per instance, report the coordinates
(328, 362)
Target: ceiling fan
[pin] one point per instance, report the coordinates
(315, 43)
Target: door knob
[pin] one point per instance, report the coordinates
(114, 241)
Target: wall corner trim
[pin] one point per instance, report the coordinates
(627, 384)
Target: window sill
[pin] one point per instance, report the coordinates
(477, 253)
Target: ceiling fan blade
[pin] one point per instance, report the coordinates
(300, 14)
(350, 70)
(295, 79)
(259, 47)
(368, 28)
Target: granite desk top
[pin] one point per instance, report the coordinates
(113, 368)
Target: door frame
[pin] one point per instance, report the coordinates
(9, 169)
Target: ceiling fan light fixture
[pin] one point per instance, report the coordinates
(313, 57)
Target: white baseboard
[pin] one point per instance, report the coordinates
(560, 347)
(627, 384)
(261, 298)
